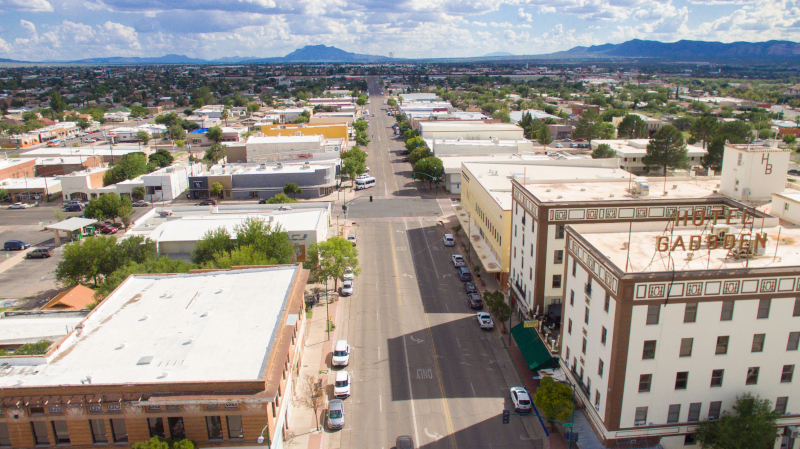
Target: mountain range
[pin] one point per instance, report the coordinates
(681, 51)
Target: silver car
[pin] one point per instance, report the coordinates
(336, 414)
(347, 288)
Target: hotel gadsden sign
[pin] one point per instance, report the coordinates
(744, 241)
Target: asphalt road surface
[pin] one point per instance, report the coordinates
(420, 364)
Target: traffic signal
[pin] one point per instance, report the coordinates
(506, 416)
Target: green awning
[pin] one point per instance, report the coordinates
(533, 348)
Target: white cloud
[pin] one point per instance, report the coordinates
(524, 16)
(26, 5)
(547, 9)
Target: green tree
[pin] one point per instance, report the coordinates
(138, 111)
(83, 124)
(543, 137)
(391, 102)
(713, 158)
(703, 129)
(3, 194)
(143, 136)
(752, 425)
(362, 139)
(496, 303)
(431, 167)
(125, 211)
(38, 348)
(214, 242)
(362, 100)
(162, 264)
(176, 132)
(355, 153)
(683, 123)
(292, 188)
(419, 154)
(281, 198)
(106, 206)
(352, 167)
(57, 103)
(666, 149)
(87, 260)
(214, 154)
(415, 142)
(214, 134)
(216, 188)
(161, 158)
(588, 126)
(152, 443)
(253, 107)
(603, 151)
(128, 166)
(137, 192)
(554, 399)
(360, 125)
(735, 132)
(272, 242)
(632, 127)
(504, 115)
(331, 259)
(137, 249)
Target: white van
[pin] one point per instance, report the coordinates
(365, 183)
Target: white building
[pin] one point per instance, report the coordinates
(164, 184)
(286, 148)
(470, 131)
(631, 152)
(754, 172)
(85, 184)
(786, 206)
(461, 147)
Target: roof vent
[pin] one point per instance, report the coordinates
(189, 341)
(611, 196)
(219, 291)
(121, 345)
(547, 190)
(583, 189)
(559, 196)
(145, 360)
(205, 314)
(145, 317)
(163, 375)
(674, 186)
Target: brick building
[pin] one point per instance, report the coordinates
(17, 168)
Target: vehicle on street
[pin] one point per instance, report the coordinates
(458, 260)
(107, 229)
(404, 152)
(558, 145)
(352, 239)
(366, 183)
(348, 274)
(341, 387)
(19, 206)
(566, 140)
(208, 203)
(335, 414)
(464, 274)
(449, 240)
(16, 245)
(141, 203)
(404, 442)
(347, 287)
(579, 140)
(485, 320)
(573, 145)
(362, 176)
(73, 208)
(794, 172)
(521, 399)
(341, 354)
(39, 253)
(470, 287)
(475, 301)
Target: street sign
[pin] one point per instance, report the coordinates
(531, 323)
(568, 424)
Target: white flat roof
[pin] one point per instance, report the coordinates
(71, 224)
(638, 147)
(6, 163)
(193, 227)
(474, 126)
(199, 327)
(29, 328)
(81, 151)
(290, 137)
(588, 190)
(30, 183)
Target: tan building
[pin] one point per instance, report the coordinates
(17, 168)
(163, 356)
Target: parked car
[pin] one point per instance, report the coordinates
(19, 206)
(449, 240)
(335, 414)
(347, 287)
(470, 287)
(140, 203)
(107, 229)
(464, 274)
(404, 442)
(262, 201)
(348, 275)
(458, 260)
(521, 400)
(566, 140)
(208, 203)
(794, 172)
(485, 320)
(16, 245)
(341, 387)
(341, 354)
(475, 301)
(39, 253)
(558, 145)
(73, 208)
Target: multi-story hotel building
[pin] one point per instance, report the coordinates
(209, 356)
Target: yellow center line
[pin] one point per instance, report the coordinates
(394, 264)
(450, 429)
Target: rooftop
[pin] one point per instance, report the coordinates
(190, 228)
(165, 328)
(117, 150)
(472, 126)
(255, 140)
(19, 328)
(638, 147)
(30, 183)
(596, 190)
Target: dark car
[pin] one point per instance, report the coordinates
(16, 245)
(470, 288)
(264, 201)
(39, 253)
(794, 172)
(404, 442)
(73, 208)
(475, 301)
(405, 152)
(464, 274)
(208, 203)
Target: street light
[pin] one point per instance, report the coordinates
(261, 437)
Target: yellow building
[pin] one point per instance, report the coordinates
(329, 131)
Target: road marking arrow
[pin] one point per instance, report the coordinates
(435, 435)
(406, 275)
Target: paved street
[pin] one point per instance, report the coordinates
(420, 364)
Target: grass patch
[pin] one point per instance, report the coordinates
(180, 154)
(309, 313)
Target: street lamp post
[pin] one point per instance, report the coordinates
(261, 437)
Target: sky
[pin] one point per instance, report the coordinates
(36, 30)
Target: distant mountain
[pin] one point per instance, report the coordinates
(9, 60)
(166, 59)
(689, 50)
(498, 53)
(322, 53)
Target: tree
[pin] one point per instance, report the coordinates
(311, 395)
(137, 192)
(176, 132)
(143, 136)
(106, 206)
(504, 115)
(543, 137)
(352, 167)
(152, 443)
(666, 149)
(713, 158)
(38, 348)
(431, 167)
(703, 129)
(360, 125)
(214, 134)
(128, 166)
(588, 126)
(391, 102)
(225, 116)
(137, 249)
(213, 242)
(161, 158)
(281, 198)
(416, 142)
(3, 194)
(125, 211)
(632, 127)
(214, 154)
(496, 302)
(362, 139)
(789, 139)
(735, 132)
(292, 188)
(253, 107)
(83, 124)
(554, 399)
(331, 259)
(362, 100)
(216, 188)
(88, 260)
(419, 154)
(752, 425)
(355, 153)
(57, 103)
(683, 123)
(603, 151)
(272, 242)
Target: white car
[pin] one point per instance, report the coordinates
(341, 387)
(348, 275)
(485, 320)
(341, 354)
(521, 399)
(362, 176)
(347, 288)
(336, 414)
(449, 240)
(458, 260)
(19, 206)
(366, 169)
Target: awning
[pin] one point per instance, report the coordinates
(532, 347)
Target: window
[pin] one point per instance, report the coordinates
(694, 412)
(558, 257)
(5, 437)
(644, 383)
(36, 410)
(608, 301)
(727, 311)
(674, 413)
(559, 231)
(714, 409)
(686, 347)
(214, 427)
(600, 367)
(722, 345)
(763, 308)
(752, 376)
(572, 297)
(641, 416)
(556, 281)
(176, 429)
(649, 351)
(688, 440)
(796, 311)
(515, 252)
(583, 349)
(235, 427)
(574, 266)
(586, 315)
(690, 313)
(156, 426)
(39, 429)
(794, 340)
(780, 404)
(589, 387)
(119, 431)
(569, 326)
(758, 343)
(787, 373)
(716, 377)
(566, 352)
(652, 314)
(597, 399)
(603, 334)
(60, 432)
(98, 427)
(681, 380)
(739, 160)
